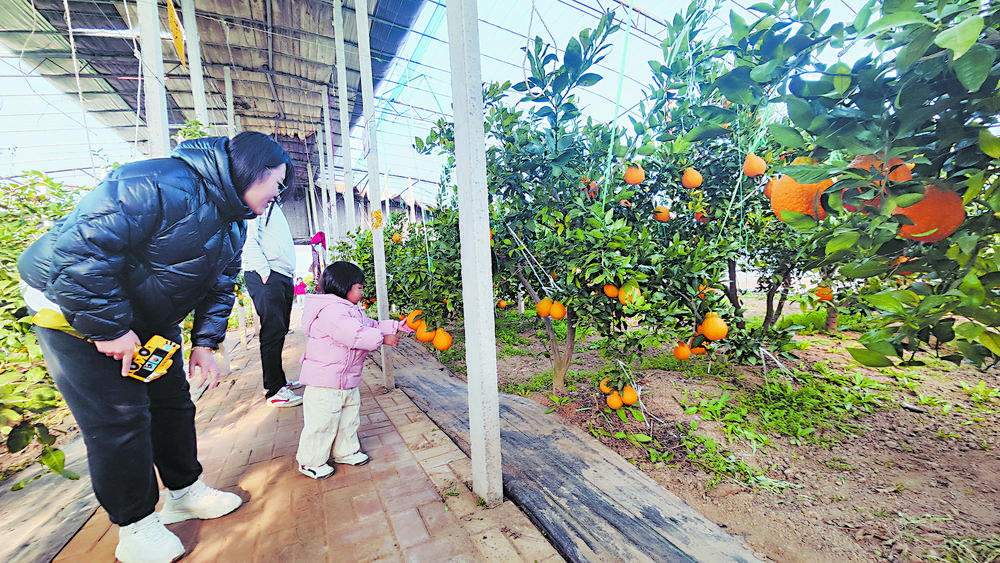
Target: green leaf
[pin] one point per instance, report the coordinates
(573, 57)
(884, 302)
(798, 221)
(20, 436)
(54, 459)
(898, 19)
(915, 49)
(842, 78)
(973, 69)
(800, 112)
(988, 143)
(703, 132)
(868, 358)
(647, 149)
(589, 79)
(991, 340)
(842, 241)
(881, 347)
(737, 86)
(959, 38)
(642, 438)
(786, 136)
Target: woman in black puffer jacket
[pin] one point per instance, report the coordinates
(154, 241)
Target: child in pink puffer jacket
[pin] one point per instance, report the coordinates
(340, 336)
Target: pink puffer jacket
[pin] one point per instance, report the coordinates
(340, 336)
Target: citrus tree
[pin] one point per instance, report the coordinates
(28, 208)
(908, 161)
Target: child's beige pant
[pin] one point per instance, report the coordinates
(332, 417)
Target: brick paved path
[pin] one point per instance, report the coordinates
(411, 503)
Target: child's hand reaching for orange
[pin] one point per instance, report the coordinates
(404, 328)
(390, 340)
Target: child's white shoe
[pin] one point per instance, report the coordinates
(317, 472)
(357, 458)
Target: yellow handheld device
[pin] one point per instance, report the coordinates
(152, 360)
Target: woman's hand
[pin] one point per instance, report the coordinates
(204, 359)
(391, 340)
(121, 348)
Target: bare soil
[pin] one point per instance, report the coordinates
(916, 479)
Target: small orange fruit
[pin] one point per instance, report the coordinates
(442, 340)
(558, 310)
(682, 351)
(543, 307)
(604, 385)
(411, 319)
(502, 304)
(610, 290)
(700, 217)
(396, 237)
(402, 316)
(789, 195)
(824, 293)
(629, 396)
(425, 333)
(935, 217)
(661, 213)
(698, 350)
(634, 175)
(713, 327)
(615, 400)
(754, 165)
(691, 179)
(629, 294)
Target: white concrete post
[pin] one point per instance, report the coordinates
(193, 41)
(374, 192)
(333, 233)
(153, 81)
(474, 230)
(230, 113)
(350, 212)
(310, 211)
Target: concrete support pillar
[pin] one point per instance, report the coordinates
(193, 41)
(474, 230)
(374, 191)
(350, 212)
(333, 232)
(153, 81)
(230, 112)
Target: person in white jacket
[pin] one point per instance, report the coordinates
(268, 267)
(340, 336)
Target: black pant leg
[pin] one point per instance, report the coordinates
(273, 302)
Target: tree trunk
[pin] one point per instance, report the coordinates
(561, 356)
(733, 292)
(832, 315)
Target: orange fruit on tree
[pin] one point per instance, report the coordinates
(754, 165)
(682, 351)
(543, 307)
(691, 178)
(700, 217)
(698, 350)
(789, 195)
(661, 213)
(396, 237)
(634, 175)
(615, 400)
(557, 310)
(935, 217)
(425, 333)
(769, 187)
(441, 340)
(899, 171)
(610, 290)
(824, 293)
(412, 321)
(502, 304)
(629, 294)
(713, 327)
(629, 396)
(604, 385)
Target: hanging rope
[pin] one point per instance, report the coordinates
(138, 89)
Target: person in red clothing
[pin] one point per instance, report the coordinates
(300, 291)
(340, 336)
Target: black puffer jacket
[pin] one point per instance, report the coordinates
(152, 242)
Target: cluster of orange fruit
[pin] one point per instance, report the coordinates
(712, 328)
(615, 400)
(549, 308)
(935, 217)
(438, 337)
(627, 295)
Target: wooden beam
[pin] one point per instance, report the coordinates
(154, 86)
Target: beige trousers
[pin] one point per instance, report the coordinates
(332, 418)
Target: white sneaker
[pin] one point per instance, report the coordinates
(293, 384)
(357, 458)
(317, 472)
(147, 541)
(198, 501)
(284, 398)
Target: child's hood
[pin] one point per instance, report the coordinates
(316, 302)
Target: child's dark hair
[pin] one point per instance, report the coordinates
(338, 278)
